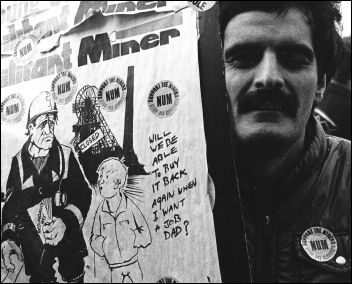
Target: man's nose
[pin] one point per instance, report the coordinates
(269, 73)
(47, 128)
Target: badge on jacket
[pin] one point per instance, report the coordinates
(319, 243)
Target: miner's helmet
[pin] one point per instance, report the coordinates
(42, 104)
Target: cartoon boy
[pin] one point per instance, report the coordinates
(119, 228)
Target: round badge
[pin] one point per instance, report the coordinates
(163, 99)
(12, 109)
(168, 280)
(111, 93)
(201, 6)
(25, 49)
(64, 87)
(319, 243)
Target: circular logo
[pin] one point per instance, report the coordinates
(319, 243)
(25, 49)
(12, 109)
(163, 99)
(111, 93)
(63, 87)
(201, 6)
(168, 279)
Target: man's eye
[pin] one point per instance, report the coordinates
(244, 59)
(293, 60)
(42, 125)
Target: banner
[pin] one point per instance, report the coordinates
(47, 20)
(113, 112)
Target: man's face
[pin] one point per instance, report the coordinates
(109, 183)
(42, 131)
(271, 75)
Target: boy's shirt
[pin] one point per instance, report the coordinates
(118, 235)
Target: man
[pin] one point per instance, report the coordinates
(47, 202)
(119, 229)
(294, 182)
(334, 111)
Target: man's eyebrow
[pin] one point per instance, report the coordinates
(110, 171)
(43, 121)
(297, 47)
(287, 45)
(239, 47)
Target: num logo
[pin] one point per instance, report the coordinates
(319, 243)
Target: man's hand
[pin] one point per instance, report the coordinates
(7, 249)
(54, 231)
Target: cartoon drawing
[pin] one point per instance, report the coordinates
(15, 267)
(91, 120)
(47, 200)
(92, 125)
(119, 228)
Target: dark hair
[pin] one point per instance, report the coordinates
(343, 70)
(322, 16)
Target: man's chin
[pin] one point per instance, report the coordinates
(264, 139)
(47, 145)
(108, 195)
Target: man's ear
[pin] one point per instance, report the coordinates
(30, 127)
(320, 89)
(117, 183)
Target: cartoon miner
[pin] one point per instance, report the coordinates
(119, 228)
(47, 201)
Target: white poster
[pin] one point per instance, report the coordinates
(107, 129)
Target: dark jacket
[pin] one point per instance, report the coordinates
(26, 188)
(317, 193)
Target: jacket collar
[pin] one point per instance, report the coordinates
(272, 190)
(52, 164)
(313, 153)
(298, 197)
(122, 206)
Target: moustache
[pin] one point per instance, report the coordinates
(265, 99)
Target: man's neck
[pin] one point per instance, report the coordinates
(114, 203)
(267, 164)
(36, 152)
